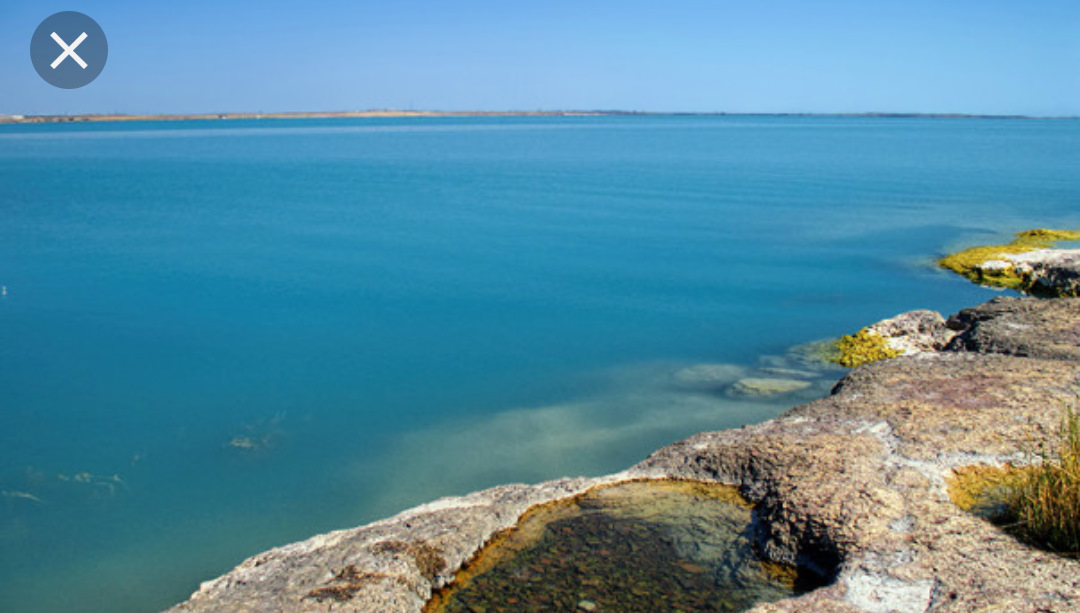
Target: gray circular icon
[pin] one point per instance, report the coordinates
(69, 50)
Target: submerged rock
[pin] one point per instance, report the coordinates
(259, 436)
(789, 373)
(708, 376)
(768, 386)
(817, 356)
(244, 443)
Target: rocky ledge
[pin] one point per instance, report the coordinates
(1054, 272)
(1029, 263)
(852, 485)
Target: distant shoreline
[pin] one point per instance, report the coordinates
(101, 117)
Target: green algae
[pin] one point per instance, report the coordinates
(969, 262)
(633, 547)
(861, 348)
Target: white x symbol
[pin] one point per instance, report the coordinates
(69, 50)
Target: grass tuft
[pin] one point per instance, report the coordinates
(1044, 502)
(1039, 503)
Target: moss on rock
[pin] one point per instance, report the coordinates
(989, 264)
(861, 348)
(982, 489)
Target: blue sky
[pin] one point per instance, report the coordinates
(993, 56)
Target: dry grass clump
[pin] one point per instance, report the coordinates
(1040, 503)
(1044, 501)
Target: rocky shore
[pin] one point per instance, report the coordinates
(852, 487)
(1029, 263)
(1044, 271)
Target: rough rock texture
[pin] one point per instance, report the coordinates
(1043, 271)
(852, 484)
(857, 479)
(1015, 326)
(390, 565)
(1055, 271)
(914, 331)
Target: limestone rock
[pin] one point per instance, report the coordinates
(1051, 271)
(385, 567)
(1054, 272)
(914, 331)
(767, 386)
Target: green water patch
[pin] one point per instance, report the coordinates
(635, 546)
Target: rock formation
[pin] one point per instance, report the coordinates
(1028, 264)
(914, 332)
(852, 485)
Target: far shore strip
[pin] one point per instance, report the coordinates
(85, 117)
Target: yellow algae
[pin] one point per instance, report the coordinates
(861, 348)
(1043, 236)
(981, 489)
(970, 263)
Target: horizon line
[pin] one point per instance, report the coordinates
(15, 118)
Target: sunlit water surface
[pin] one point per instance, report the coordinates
(218, 337)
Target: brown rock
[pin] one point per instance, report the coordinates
(1022, 327)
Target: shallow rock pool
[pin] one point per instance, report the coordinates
(635, 546)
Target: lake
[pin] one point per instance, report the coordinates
(222, 336)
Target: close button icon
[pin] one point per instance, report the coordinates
(68, 50)
(57, 61)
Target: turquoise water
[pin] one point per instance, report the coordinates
(220, 337)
